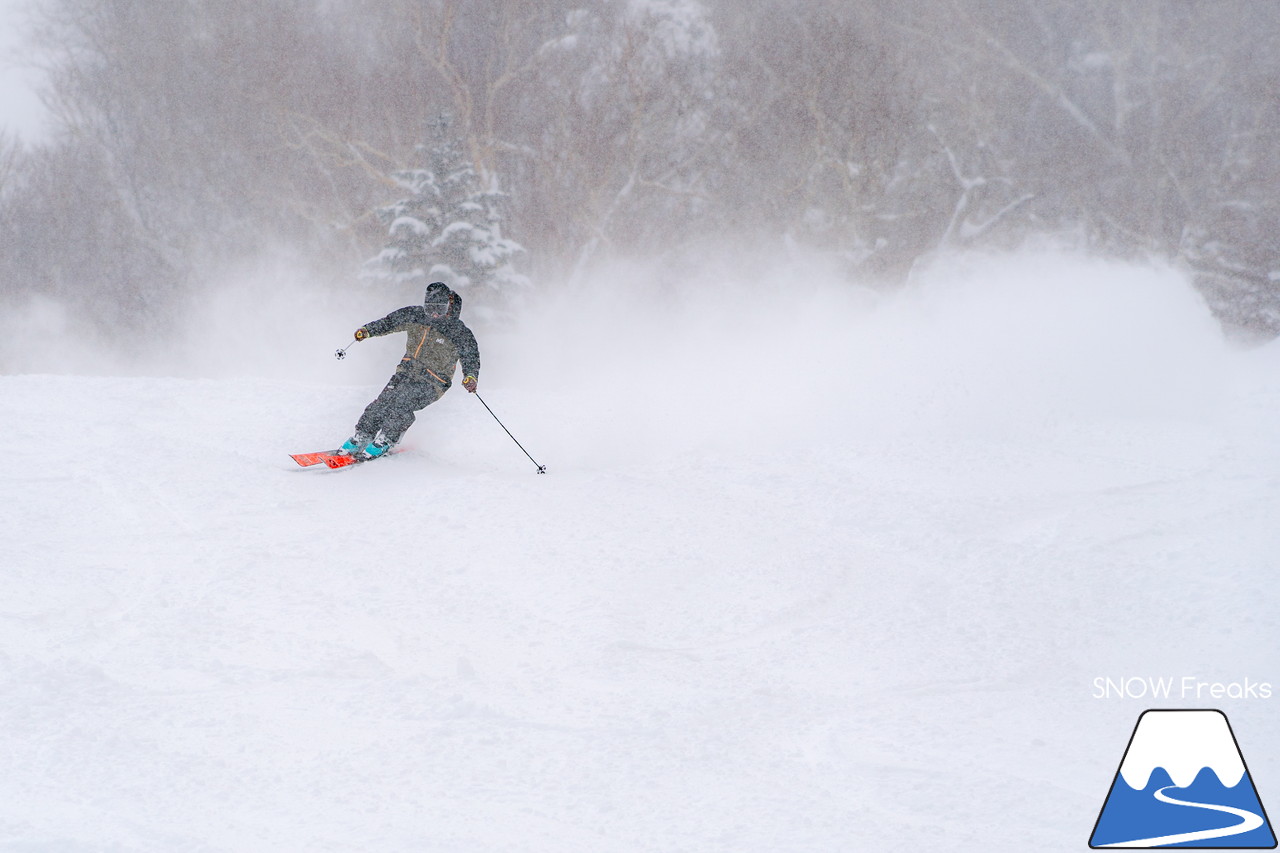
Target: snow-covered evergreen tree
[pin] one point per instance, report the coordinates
(449, 226)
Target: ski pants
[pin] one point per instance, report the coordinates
(393, 411)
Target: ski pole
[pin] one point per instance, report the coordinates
(340, 354)
(542, 469)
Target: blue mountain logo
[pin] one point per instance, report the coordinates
(1183, 783)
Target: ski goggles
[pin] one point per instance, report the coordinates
(437, 309)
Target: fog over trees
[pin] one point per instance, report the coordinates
(189, 135)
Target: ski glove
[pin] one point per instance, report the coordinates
(361, 334)
(469, 383)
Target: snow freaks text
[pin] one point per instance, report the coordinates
(1173, 687)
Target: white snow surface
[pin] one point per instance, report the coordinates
(810, 570)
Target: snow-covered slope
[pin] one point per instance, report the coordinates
(808, 572)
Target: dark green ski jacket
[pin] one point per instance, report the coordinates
(435, 345)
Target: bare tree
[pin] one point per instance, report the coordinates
(10, 151)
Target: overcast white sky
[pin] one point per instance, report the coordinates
(20, 109)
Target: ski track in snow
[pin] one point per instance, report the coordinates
(1248, 822)
(857, 616)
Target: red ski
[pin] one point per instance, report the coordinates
(306, 460)
(333, 458)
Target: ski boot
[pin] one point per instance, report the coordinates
(380, 446)
(355, 445)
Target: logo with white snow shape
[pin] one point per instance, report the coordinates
(1183, 783)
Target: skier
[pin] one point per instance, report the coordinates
(437, 341)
